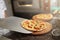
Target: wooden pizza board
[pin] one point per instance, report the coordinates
(48, 29)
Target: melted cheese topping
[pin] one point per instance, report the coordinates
(43, 16)
(34, 26)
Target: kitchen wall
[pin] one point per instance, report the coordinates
(2, 9)
(58, 3)
(55, 5)
(5, 8)
(9, 8)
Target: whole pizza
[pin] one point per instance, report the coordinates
(42, 17)
(33, 25)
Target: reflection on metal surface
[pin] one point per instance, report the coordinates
(24, 5)
(56, 32)
(19, 5)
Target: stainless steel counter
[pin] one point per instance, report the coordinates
(4, 38)
(13, 24)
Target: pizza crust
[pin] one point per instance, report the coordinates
(42, 16)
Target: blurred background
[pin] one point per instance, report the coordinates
(26, 9)
(17, 8)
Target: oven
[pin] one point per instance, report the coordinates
(26, 8)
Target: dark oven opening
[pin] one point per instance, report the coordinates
(25, 8)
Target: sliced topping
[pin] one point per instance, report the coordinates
(40, 26)
(30, 26)
(36, 27)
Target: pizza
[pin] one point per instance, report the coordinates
(42, 17)
(33, 25)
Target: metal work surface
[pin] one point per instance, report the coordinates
(13, 24)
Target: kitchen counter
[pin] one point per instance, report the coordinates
(21, 36)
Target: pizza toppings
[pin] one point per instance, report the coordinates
(38, 23)
(37, 28)
(33, 25)
(29, 26)
(42, 17)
